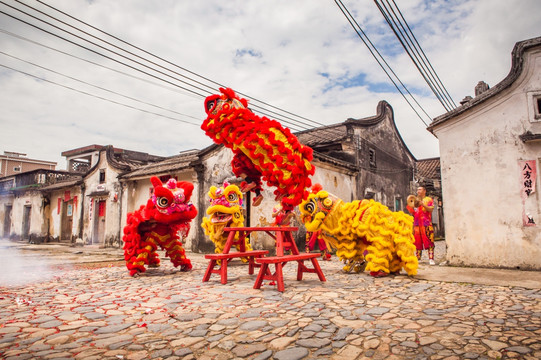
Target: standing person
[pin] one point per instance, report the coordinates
(422, 224)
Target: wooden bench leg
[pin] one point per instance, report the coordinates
(279, 276)
(318, 270)
(252, 264)
(301, 269)
(223, 271)
(212, 264)
(263, 270)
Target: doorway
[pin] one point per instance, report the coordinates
(66, 222)
(7, 221)
(26, 221)
(98, 234)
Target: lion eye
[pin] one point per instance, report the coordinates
(310, 207)
(162, 202)
(232, 197)
(210, 105)
(327, 203)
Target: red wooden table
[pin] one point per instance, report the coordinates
(226, 256)
(284, 242)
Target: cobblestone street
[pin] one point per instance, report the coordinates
(95, 310)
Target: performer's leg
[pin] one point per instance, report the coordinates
(430, 237)
(258, 197)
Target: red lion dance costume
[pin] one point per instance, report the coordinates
(262, 148)
(158, 223)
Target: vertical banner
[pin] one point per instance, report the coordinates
(528, 176)
(75, 202)
(59, 205)
(90, 207)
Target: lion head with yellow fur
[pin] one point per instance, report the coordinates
(225, 210)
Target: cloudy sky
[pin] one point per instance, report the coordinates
(60, 90)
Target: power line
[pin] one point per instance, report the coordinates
(179, 67)
(96, 96)
(412, 47)
(380, 60)
(95, 63)
(123, 56)
(96, 86)
(263, 111)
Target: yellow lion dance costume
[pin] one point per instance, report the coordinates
(362, 230)
(225, 210)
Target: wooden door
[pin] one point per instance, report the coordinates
(99, 223)
(7, 221)
(26, 221)
(66, 221)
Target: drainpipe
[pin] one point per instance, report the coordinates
(200, 173)
(120, 214)
(83, 188)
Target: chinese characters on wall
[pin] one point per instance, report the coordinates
(528, 176)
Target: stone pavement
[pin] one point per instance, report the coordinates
(63, 302)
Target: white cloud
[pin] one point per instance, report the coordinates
(288, 54)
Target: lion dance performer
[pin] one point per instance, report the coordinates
(225, 210)
(262, 148)
(421, 207)
(362, 230)
(158, 223)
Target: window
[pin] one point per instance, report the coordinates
(534, 105)
(372, 157)
(102, 176)
(397, 203)
(17, 169)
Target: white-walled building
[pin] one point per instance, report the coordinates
(490, 151)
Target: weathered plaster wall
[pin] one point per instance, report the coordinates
(5, 200)
(33, 200)
(111, 236)
(480, 150)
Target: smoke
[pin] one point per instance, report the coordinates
(20, 266)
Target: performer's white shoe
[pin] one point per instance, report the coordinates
(431, 262)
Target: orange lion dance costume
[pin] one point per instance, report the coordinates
(158, 223)
(262, 148)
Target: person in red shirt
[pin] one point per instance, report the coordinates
(422, 224)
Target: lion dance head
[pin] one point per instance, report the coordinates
(225, 210)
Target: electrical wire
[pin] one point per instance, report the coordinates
(4, 31)
(182, 68)
(412, 47)
(96, 96)
(373, 51)
(96, 86)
